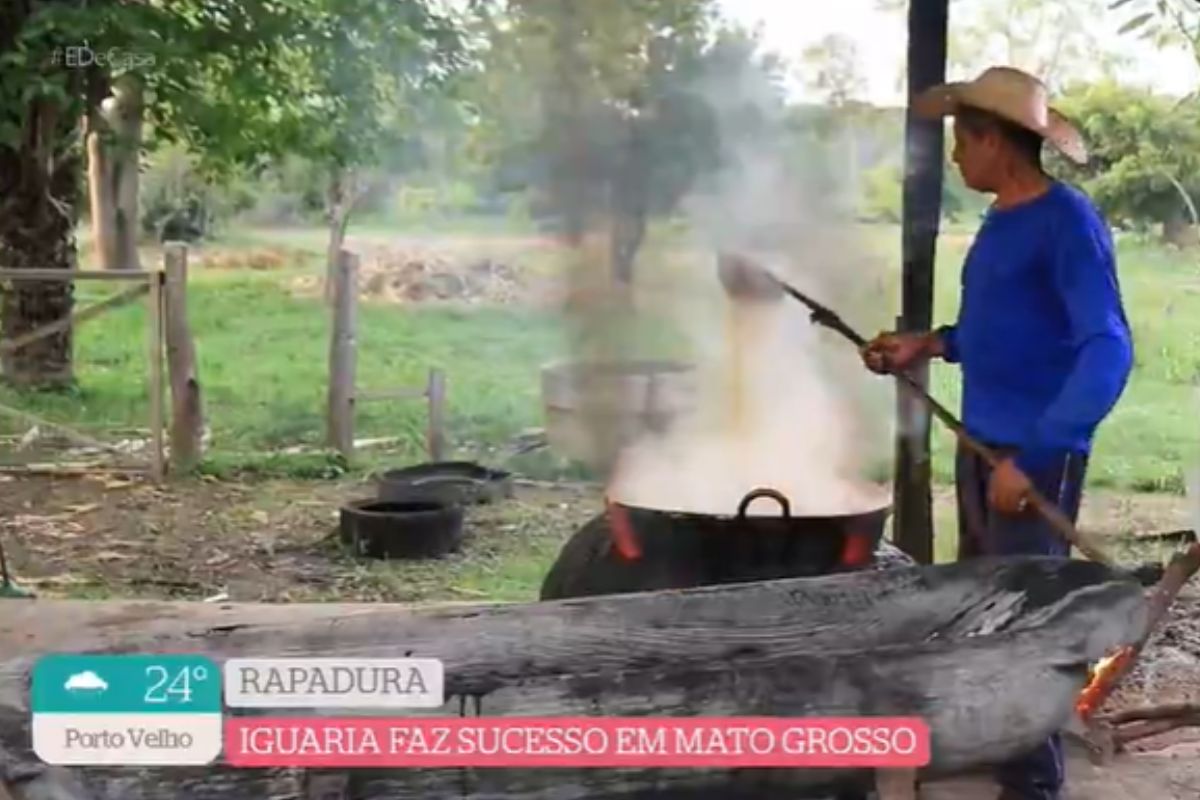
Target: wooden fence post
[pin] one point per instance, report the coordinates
(155, 347)
(923, 160)
(187, 417)
(436, 395)
(342, 346)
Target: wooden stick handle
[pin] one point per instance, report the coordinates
(1050, 512)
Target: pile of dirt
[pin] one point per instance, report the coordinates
(1169, 668)
(411, 275)
(420, 277)
(257, 259)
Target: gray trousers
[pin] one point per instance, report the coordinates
(982, 531)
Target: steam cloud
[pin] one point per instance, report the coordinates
(780, 403)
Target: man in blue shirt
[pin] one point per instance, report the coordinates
(1041, 338)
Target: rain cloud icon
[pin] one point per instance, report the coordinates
(85, 682)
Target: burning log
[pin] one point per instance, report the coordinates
(1110, 671)
(990, 653)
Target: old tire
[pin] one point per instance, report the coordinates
(445, 482)
(406, 530)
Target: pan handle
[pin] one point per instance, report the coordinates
(744, 506)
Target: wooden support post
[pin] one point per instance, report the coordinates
(896, 784)
(436, 394)
(155, 347)
(924, 154)
(187, 419)
(342, 355)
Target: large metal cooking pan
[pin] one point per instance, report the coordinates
(705, 549)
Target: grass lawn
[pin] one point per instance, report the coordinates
(263, 359)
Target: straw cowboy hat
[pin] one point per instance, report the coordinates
(1012, 94)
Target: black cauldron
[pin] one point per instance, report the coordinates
(631, 548)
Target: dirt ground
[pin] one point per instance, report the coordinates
(276, 541)
(270, 541)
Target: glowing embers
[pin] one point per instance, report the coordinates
(1102, 679)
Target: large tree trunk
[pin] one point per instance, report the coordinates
(991, 654)
(568, 124)
(1179, 231)
(102, 199)
(630, 207)
(114, 139)
(38, 202)
(127, 121)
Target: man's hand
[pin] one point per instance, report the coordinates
(896, 352)
(1008, 488)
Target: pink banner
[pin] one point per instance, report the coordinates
(576, 742)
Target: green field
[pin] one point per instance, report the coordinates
(263, 360)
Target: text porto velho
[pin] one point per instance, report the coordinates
(576, 740)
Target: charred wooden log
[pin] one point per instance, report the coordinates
(991, 653)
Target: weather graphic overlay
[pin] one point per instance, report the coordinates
(126, 710)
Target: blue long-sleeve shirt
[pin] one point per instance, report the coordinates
(1042, 337)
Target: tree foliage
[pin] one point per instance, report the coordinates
(833, 68)
(1056, 41)
(240, 82)
(610, 113)
(1145, 154)
(1163, 22)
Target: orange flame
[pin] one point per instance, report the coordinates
(622, 531)
(1102, 680)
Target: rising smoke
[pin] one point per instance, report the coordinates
(779, 402)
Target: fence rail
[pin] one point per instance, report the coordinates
(172, 362)
(176, 349)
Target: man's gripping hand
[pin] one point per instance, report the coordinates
(890, 353)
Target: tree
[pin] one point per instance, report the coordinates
(236, 83)
(39, 176)
(1165, 22)
(1145, 156)
(833, 68)
(1058, 42)
(362, 76)
(180, 62)
(632, 103)
(601, 80)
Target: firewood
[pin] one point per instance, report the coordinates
(1181, 569)
(1143, 729)
(1168, 711)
